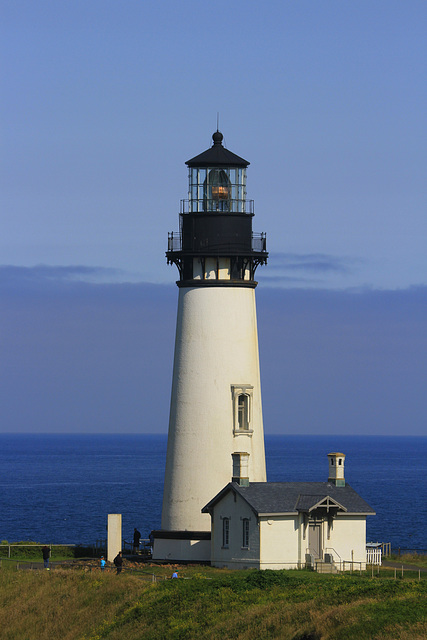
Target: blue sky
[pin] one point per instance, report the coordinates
(102, 103)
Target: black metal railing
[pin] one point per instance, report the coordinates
(214, 205)
(259, 242)
(174, 241)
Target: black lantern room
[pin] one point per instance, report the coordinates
(215, 245)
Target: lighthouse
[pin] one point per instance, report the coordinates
(215, 428)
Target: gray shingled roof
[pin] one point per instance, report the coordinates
(292, 497)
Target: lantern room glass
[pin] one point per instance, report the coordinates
(218, 189)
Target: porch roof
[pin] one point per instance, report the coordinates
(308, 503)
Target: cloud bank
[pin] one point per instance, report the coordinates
(84, 356)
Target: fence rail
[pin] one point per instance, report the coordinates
(144, 545)
(348, 566)
(148, 576)
(33, 546)
(376, 570)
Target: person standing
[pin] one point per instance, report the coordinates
(46, 555)
(118, 561)
(102, 563)
(136, 539)
(151, 539)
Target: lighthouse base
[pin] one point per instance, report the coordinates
(182, 546)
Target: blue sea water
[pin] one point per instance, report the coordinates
(60, 488)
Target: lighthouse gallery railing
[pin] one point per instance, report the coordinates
(259, 242)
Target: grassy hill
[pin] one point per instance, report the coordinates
(205, 603)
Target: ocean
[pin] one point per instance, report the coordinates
(60, 488)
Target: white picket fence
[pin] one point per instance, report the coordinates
(373, 556)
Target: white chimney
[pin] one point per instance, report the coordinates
(240, 468)
(336, 469)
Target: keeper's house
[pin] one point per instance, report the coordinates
(285, 525)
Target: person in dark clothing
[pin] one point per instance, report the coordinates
(151, 539)
(118, 561)
(136, 539)
(46, 555)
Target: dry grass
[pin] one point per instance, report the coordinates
(416, 559)
(45, 605)
(400, 632)
(77, 605)
(370, 618)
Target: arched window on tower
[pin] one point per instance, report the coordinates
(243, 411)
(242, 396)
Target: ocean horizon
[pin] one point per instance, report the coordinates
(59, 488)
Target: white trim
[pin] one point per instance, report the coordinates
(238, 390)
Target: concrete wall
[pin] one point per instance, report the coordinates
(216, 347)
(279, 542)
(235, 556)
(114, 535)
(348, 539)
(173, 550)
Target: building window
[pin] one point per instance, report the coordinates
(225, 532)
(243, 411)
(242, 396)
(245, 532)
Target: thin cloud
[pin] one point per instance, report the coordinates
(47, 273)
(312, 262)
(291, 280)
(78, 285)
(308, 269)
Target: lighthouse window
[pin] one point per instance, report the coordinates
(225, 532)
(217, 191)
(243, 411)
(237, 271)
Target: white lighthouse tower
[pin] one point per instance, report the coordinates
(215, 410)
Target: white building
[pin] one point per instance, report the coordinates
(216, 427)
(215, 410)
(284, 525)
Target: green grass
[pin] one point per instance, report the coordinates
(29, 550)
(269, 605)
(209, 604)
(419, 560)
